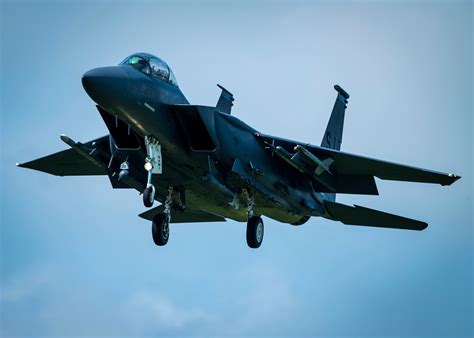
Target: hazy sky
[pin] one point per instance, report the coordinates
(75, 258)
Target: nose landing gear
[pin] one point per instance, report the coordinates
(153, 165)
(160, 226)
(149, 195)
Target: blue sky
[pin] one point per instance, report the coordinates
(77, 261)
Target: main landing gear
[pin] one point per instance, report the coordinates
(255, 226)
(160, 226)
(254, 232)
(160, 229)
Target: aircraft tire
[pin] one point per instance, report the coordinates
(149, 196)
(160, 229)
(255, 232)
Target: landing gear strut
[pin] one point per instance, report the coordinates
(255, 226)
(160, 226)
(152, 166)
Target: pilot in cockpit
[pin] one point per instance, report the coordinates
(152, 66)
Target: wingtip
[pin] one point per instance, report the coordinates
(23, 165)
(423, 226)
(452, 178)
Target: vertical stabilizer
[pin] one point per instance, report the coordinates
(225, 102)
(333, 136)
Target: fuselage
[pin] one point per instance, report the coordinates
(155, 106)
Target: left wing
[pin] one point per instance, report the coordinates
(344, 165)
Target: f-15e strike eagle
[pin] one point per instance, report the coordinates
(205, 165)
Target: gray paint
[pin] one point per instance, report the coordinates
(62, 269)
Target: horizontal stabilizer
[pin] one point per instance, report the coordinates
(71, 162)
(358, 215)
(186, 216)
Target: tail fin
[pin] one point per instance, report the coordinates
(225, 100)
(333, 136)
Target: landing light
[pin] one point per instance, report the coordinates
(148, 166)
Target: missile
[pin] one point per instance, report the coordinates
(81, 149)
(309, 158)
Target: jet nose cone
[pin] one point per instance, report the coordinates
(106, 85)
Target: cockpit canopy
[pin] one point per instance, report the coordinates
(152, 66)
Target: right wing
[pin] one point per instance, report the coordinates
(77, 161)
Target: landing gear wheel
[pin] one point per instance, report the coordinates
(149, 196)
(160, 229)
(254, 232)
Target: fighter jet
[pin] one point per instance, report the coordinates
(203, 164)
